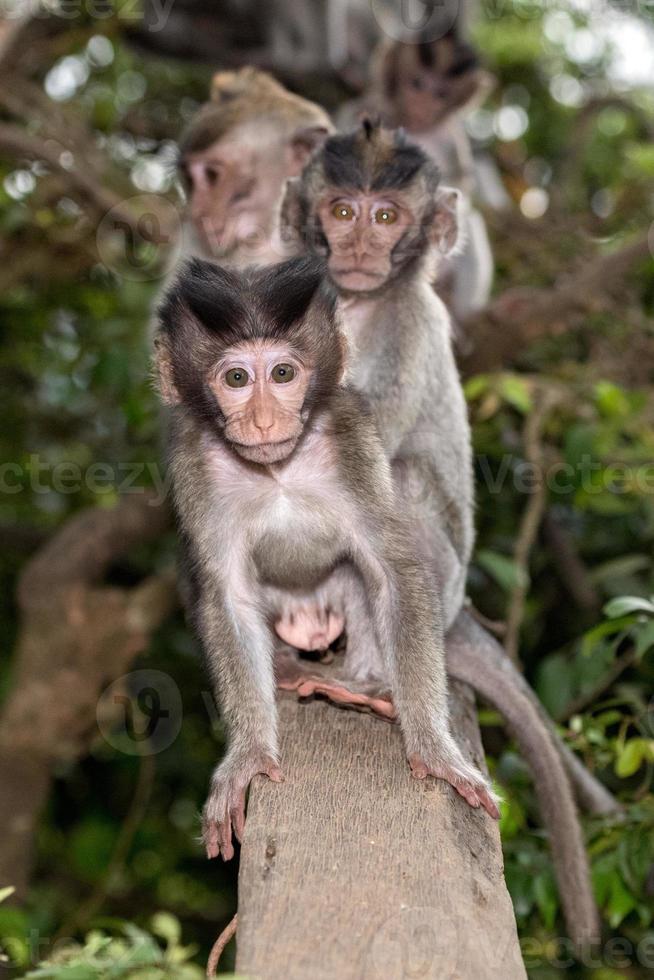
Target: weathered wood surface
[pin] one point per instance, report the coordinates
(352, 870)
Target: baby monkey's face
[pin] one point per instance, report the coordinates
(260, 387)
(362, 230)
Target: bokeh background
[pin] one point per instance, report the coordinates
(558, 374)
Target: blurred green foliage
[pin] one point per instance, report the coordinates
(74, 369)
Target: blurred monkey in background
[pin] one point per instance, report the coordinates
(234, 157)
(427, 87)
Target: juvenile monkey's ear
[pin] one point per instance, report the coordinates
(445, 228)
(304, 142)
(163, 373)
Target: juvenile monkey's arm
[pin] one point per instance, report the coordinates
(238, 649)
(406, 619)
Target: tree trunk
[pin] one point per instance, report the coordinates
(352, 869)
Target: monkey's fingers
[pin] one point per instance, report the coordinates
(224, 812)
(217, 836)
(210, 837)
(237, 818)
(488, 803)
(225, 838)
(474, 792)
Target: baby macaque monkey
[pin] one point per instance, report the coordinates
(282, 487)
(234, 157)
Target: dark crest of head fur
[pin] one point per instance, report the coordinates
(373, 158)
(210, 309)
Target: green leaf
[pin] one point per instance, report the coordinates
(546, 898)
(594, 639)
(502, 569)
(516, 392)
(622, 567)
(621, 902)
(632, 756)
(555, 682)
(644, 637)
(475, 387)
(611, 400)
(166, 926)
(623, 605)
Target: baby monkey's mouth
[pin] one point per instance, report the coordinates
(266, 452)
(354, 270)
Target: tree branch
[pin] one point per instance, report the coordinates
(530, 523)
(75, 636)
(498, 334)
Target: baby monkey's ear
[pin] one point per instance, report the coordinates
(163, 373)
(445, 231)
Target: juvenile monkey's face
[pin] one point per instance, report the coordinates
(362, 230)
(233, 188)
(260, 388)
(426, 96)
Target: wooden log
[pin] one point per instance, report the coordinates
(351, 869)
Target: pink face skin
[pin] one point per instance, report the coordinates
(260, 388)
(234, 187)
(362, 229)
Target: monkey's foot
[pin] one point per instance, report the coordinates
(309, 627)
(466, 781)
(293, 675)
(224, 810)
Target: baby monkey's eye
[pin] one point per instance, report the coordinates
(237, 378)
(282, 373)
(343, 212)
(385, 216)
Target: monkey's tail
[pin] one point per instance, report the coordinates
(537, 745)
(591, 795)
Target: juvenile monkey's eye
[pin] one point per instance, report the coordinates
(343, 212)
(212, 175)
(282, 373)
(385, 216)
(237, 378)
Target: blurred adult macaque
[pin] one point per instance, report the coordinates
(235, 155)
